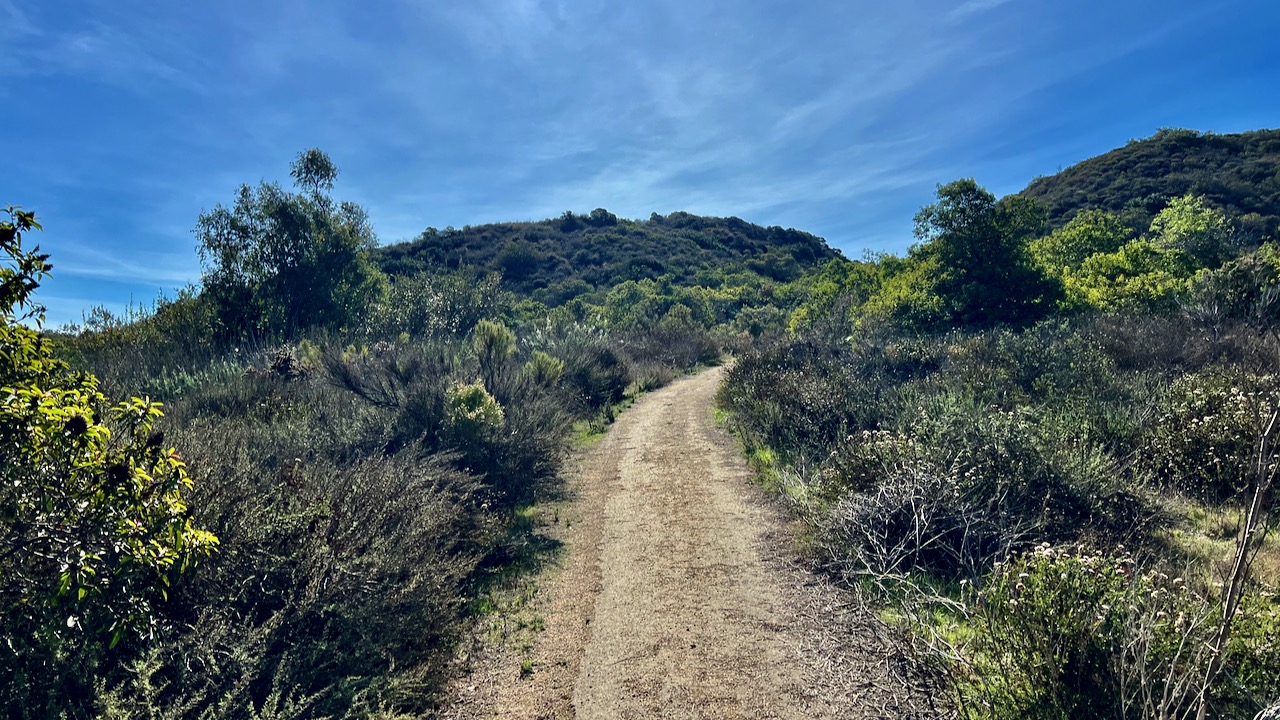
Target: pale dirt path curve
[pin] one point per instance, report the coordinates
(676, 597)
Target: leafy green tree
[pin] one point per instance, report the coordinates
(602, 218)
(278, 262)
(93, 524)
(1088, 233)
(314, 171)
(632, 304)
(1202, 232)
(518, 261)
(1140, 275)
(907, 297)
(985, 274)
(842, 288)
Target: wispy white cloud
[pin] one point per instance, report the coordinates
(80, 259)
(821, 115)
(14, 22)
(972, 7)
(137, 57)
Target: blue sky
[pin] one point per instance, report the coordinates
(122, 120)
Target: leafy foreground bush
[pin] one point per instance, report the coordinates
(335, 595)
(355, 500)
(94, 525)
(943, 474)
(1064, 633)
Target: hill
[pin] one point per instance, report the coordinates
(1239, 174)
(559, 259)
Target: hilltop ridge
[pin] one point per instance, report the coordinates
(558, 259)
(1237, 173)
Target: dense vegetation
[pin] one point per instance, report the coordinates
(555, 261)
(1051, 453)
(1043, 439)
(1238, 174)
(336, 479)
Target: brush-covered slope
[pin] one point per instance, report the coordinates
(1239, 174)
(556, 260)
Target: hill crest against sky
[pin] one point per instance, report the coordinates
(1238, 173)
(124, 121)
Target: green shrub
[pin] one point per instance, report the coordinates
(337, 592)
(1047, 629)
(472, 412)
(596, 375)
(1065, 633)
(129, 353)
(493, 344)
(1204, 438)
(543, 369)
(961, 488)
(94, 522)
(175, 383)
(678, 346)
(437, 306)
(1253, 653)
(799, 398)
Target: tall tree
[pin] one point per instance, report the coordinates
(984, 272)
(313, 170)
(278, 262)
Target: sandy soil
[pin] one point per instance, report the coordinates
(678, 596)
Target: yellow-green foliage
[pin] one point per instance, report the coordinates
(842, 287)
(543, 369)
(310, 355)
(493, 343)
(907, 296)
(98, 526)
(94, 519)
(635, 304)
(1187, 224)
(1089, 233)
(1140, 275)
(1101, 267)
(1254, 648)
(472, 411)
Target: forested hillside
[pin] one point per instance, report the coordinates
(1236, 173)
(557, 260)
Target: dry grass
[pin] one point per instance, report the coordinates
(1207, 535)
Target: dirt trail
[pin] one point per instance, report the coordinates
(676, 597)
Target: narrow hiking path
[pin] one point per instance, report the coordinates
(676, 596)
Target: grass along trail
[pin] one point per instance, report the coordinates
(676, 596)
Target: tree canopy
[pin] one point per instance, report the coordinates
(554, 261)
(277, 262)
(984, 271)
